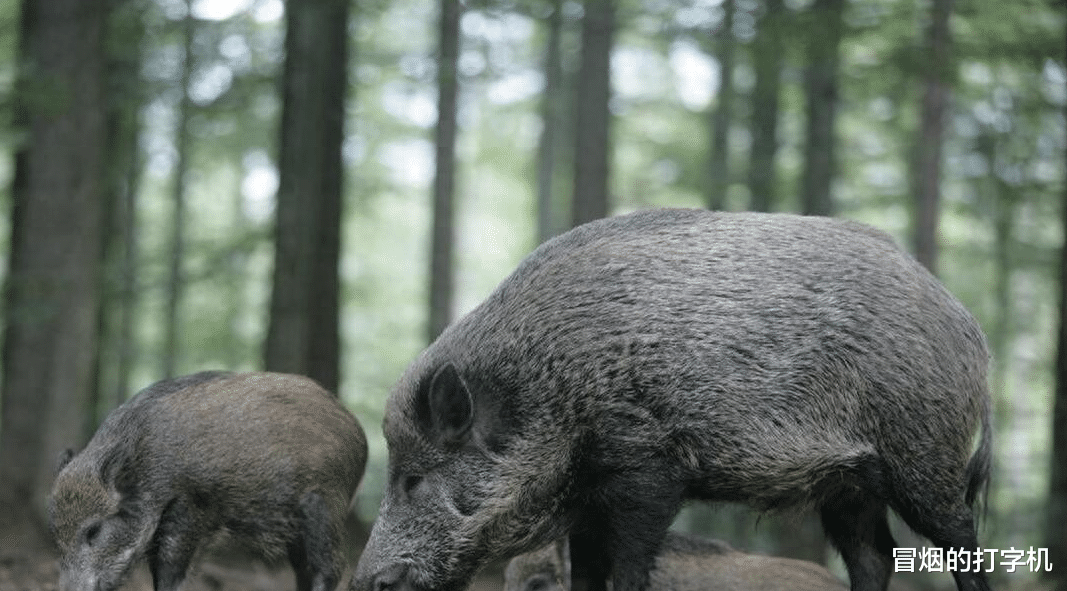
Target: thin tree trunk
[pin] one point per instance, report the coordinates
(551, 112)
(593, 119)
(123, 164)
(1055, 541)
(303, 335)
(820, 87)
(931, 125)
(767, 58)
(128, 288)
(235, 278)
(443, 238)
(52, 292)
(719, 160)
(175, 276)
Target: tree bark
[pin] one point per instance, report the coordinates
(767, 58)
(52, 291)
(175, 275)
(303, 334)
(593, 119)
(820, 87)
(551, 113)
(123, 163)
(1057, 494)
(442, 241)
(931, 125)
(719, 159)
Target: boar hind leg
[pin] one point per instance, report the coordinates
(857, 527)
(955, 530)
(174, 545)
(312, 555)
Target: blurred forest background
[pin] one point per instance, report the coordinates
(320, 186)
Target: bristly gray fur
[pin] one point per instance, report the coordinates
(271, 460)
(637, 361)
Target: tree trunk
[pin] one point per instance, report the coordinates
(719, 159)
(932, 121)
(123, 163)
(551, 113)
(303, 335)
(1057, 497)
(175, 278)
(767, 58)
(820, 87)
(593, 119)
(52, 299)
(443, 239)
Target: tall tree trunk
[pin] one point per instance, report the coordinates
(1057, 494)
(175, 276)
(123, 163)
(442, 241)
(820, 87)
(593, 119)
(52, 292)
(551, 113)
(935, 100)
(767, 58)
(719, 157)
(303, 334)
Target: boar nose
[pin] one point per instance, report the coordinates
(391, 578)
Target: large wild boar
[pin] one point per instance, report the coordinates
(268, 460)
(684, 563)
(634, 362)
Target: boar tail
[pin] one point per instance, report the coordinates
(978, 469)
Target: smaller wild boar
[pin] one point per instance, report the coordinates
(684, 563)
(268, 460)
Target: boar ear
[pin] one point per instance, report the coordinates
(61, 462)
(446, 409)
(117, 471)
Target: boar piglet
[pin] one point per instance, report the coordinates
(269, 460)
(639, 361)
(684, 563)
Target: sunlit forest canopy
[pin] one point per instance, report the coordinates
(804, 106)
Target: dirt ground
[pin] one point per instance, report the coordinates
(39, 571)
(28, 562)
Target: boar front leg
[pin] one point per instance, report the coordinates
(174, 545)
(623, 531)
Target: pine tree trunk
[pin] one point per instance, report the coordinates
(719, 160)
(767, 58)
(1057, 494)
(175, 276)
(443, 236)
(551, 113)
(123, 162)
(820, 88)
(52, 291)
(303, 334)
(593, 119)
(931, 125)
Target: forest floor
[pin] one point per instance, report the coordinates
(29, 562)
(39, 571)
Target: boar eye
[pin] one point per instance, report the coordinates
(409, 483)
(537, 583)
(91, 533)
